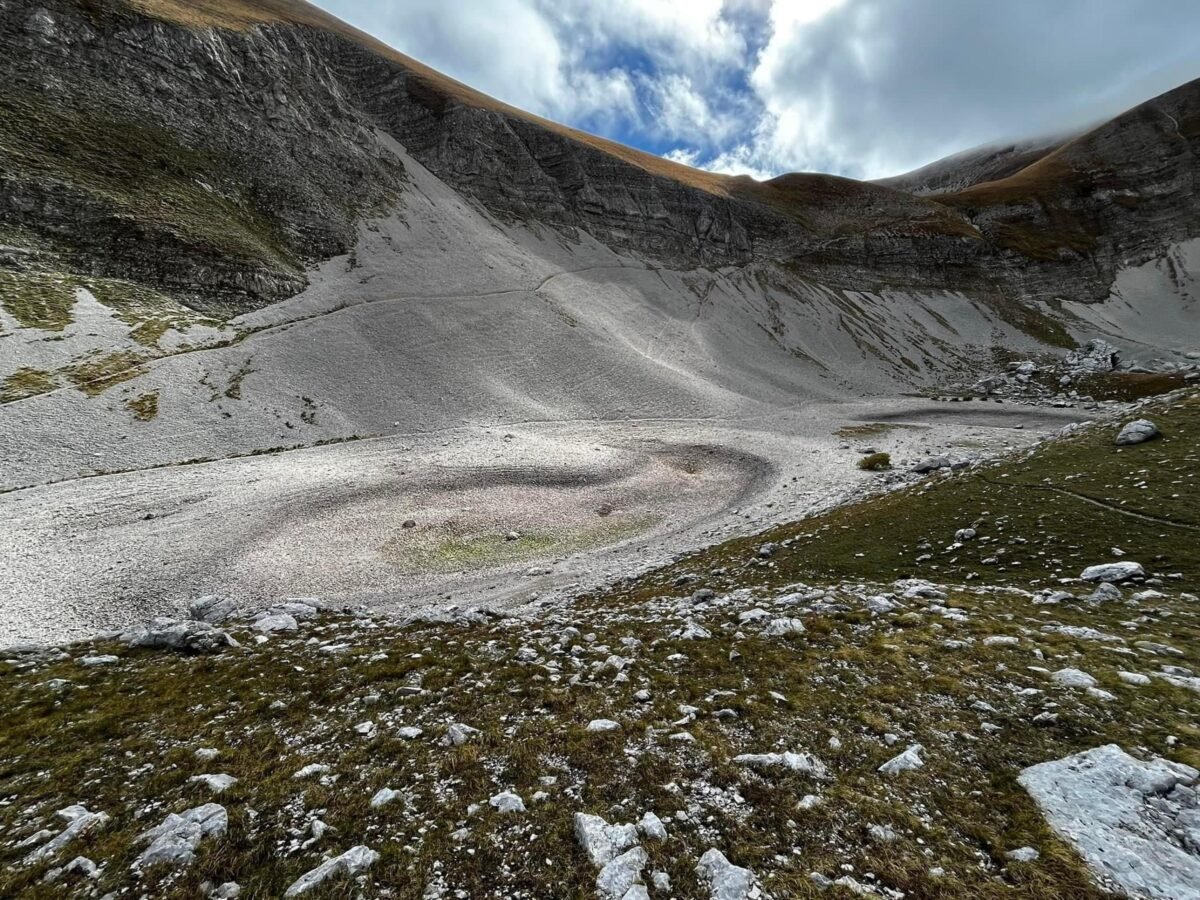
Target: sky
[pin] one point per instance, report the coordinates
(862, 88)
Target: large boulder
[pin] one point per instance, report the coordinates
(1137, 432)
(1113, 573)
(184, 636)
(211, 609)
(1135, 823)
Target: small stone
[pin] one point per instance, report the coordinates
(1022, 854)
(94, 661)
(725, 881)
(805, 763)
(1073, 678)
(507, 802)
(602, 725)
(907, 761)
(620, 874)
(383, 797)
(652, 828)
(458, 734)
(215, 783)
(310, 770)
(276, 622)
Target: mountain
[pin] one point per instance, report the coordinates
(245, 225)
(989, 162)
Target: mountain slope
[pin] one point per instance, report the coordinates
(240, 226)
(970, 167)
(292, 102)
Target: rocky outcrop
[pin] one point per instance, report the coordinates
(1134, 822)
(218, 164)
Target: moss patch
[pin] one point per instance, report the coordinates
(97, 374)
(448, 550)
(38, 299)
(26, 382)
(144, 407)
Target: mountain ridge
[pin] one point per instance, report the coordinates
(520, 166)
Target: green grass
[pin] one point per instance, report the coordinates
(38, 299)
(448, 550)
(121, 738)
(144, 407)
(98, 373)
(26, 382)
(875, 462)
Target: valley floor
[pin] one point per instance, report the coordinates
(850, 704)
(495, 515)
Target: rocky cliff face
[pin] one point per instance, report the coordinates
(217, 152)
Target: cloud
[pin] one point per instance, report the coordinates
(871, 87)
(865, 88)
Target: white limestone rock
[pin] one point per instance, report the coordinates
(1137, 432)
(724, 880)
(652, 828)
(905, 762)
(507, 802)
(353, 862)
(603, 842)
(215, 783)
(1113, 573)
(621, 873)
(1073, 678)
(175, 841)
(458, 734)
(804, 763)
(79, 821)
(1120, 814)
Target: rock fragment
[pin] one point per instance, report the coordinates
(724, 880)
(905, 762)
(175, 841)
(1113, 573)
(353, 862)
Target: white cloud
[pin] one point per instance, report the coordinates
(865, 88)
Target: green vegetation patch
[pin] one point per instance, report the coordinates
(874, 429)
(1032, 321)
(144, 407)
(38, 299)
(875, 462)
(97, 374)
(26, 382)
(449, 549)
